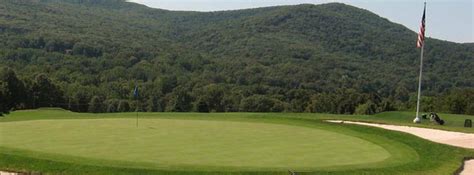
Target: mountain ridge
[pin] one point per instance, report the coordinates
(287, 56)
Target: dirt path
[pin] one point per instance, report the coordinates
(458, 139)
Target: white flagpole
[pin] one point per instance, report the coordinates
(417, 118)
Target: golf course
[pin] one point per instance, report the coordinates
(51, 140)
(241, 87)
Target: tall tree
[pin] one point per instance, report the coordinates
(45, 92)
(180, 101)
(96, 105)
(13, 89)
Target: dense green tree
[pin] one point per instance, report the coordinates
(96, 105)
(168, 83)
(180, 101)
(13, 89)
(152, 104)
(367, 108)
(112, 105)
(86, 50)
(45, 92)
(260, 103)
(3, 104)
(288, 58)
(470, 109)
(459, 101)
(386, 105)
(201, 106)
(428, 104)
(81, 100)
(123, 106)
(347, 100)
(322, 103)
(299, 99)
(213, 96)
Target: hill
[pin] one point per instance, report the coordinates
(87, 55)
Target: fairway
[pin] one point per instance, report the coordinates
(168, 142)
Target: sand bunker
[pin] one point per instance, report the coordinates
(7, 173)
(468, 168)
(458, 139)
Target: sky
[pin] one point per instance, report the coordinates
(450, 20)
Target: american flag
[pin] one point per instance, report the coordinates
(421, 35)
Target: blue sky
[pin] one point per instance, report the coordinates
(450, 20)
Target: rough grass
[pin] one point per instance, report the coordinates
(227, 143)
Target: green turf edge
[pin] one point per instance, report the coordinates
(391, 145)
(454, 122)
(444, 163)
(460, 169)
(400, 152)
(434, 159)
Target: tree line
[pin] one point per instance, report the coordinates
(167, 96)
(87, 56)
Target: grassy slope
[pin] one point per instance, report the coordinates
(432, 158)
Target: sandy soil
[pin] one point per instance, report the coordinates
(468, 168)
(458, 139)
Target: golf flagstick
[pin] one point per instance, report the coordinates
(136, 110)
(135, 95)
(420, 44)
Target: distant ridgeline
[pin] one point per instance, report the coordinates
(89, 2)
(88, 55)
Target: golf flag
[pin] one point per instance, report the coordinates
(135, 92)
(421, 35)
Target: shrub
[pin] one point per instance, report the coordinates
(366, 108)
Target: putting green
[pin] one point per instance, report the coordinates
(193, 143)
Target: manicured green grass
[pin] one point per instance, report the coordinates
(454, 122)
(58, 141)
(183, 143)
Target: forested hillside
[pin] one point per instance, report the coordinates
(88, 55)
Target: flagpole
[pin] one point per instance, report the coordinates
(417, 118)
